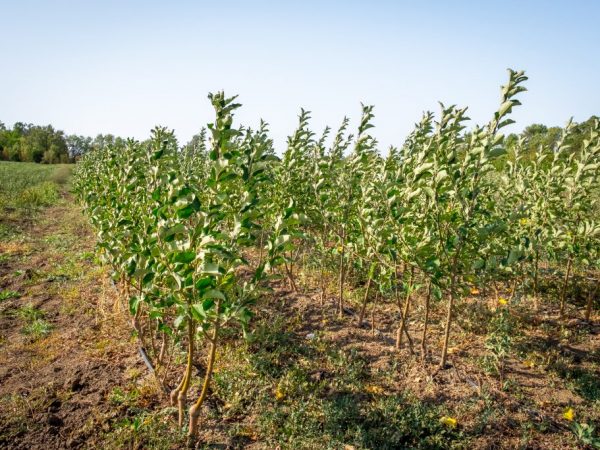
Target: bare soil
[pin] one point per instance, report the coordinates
(54, 389)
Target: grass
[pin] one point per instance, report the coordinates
(292, 393)
(7, 294)
(26, 187)
(35, 324)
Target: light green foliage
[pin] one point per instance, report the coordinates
(7, 294)
(25, 185)
(35, 324)
(32, 143)
(174, 227)
(24, 189)
(193, 235)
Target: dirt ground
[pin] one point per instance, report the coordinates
(53, 389)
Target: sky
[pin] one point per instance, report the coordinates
(122, 67)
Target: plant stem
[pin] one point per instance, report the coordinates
(563, 294)
(404, 317)
(588, 308)
(425, 322)
(364, 303)
(195, 409)
(342, 276)
(180, 392)
(449, 313)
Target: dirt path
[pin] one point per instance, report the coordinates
(63, 350)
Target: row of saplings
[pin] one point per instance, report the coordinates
(182, 232)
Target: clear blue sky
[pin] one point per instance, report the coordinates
(121, 67)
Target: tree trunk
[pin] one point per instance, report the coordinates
(365, 300)
(425, 323)
(404, 317)
(290, 276)
(179, 394)
(563, 294)
(398, 302)
(260, 247)
(195, 409)
(588, 308)
(448, 320)
(373, 314)
(536, 303)
(322, 287)
(342, 277)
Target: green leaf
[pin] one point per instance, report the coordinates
(188, 210)
(199, 310)
(211, 268)
(496, 152)
(134, 304)
(214, 293)
(203, 283)
(184, 257)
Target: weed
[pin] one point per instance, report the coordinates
(37, 329)
(120, 397)
(35, 325)
(7, 294)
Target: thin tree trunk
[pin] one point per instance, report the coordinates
(365, 300)
(406, 309)
(449, 316)
(342, 277)
(425, 323)
(290, 276)
(536, 303)
(195, 409)
(322, 286)
(260, 247)
(397, 296)
(179, 394)
(588, 308)
(163, 348)
(563, 294)
(373, 314)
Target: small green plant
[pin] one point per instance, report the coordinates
(35, 324)
(120, 397)
(43, 194)
(7, 294)
(29, 313)
(586, 434)
(499, 341)
(37, 329)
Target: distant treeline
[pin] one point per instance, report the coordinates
(44, 144)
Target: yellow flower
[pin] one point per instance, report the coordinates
(279, 394)
(372, 389)
(502, 301)
(523, 221)
(529, 363)
(569, 414)
(474, 291)
(450, 422)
